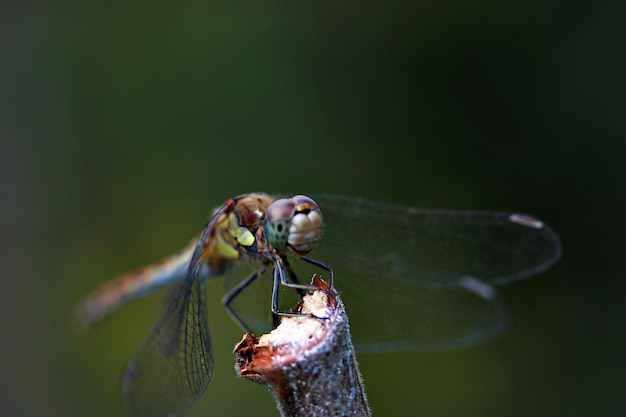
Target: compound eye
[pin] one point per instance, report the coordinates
(306, 226)
(304, 203)
(278, 218)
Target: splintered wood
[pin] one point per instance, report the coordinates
(308, 362)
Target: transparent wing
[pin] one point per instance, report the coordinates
(415, 279)
(253, 304)
(433, 247)
(175, 363)
(394, 315)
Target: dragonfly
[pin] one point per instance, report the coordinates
(411, 279)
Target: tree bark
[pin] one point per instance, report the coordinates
(308, 363)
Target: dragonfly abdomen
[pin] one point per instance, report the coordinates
(141, 282)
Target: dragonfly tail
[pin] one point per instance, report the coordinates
(117, 292)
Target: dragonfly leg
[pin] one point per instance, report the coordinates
(230, 296)
(286, 273)
(293, 277)
(279, 278)
(322, 266)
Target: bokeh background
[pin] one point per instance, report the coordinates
(123, 124)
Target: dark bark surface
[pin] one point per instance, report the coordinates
(308, 363)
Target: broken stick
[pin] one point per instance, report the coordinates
(308, 362)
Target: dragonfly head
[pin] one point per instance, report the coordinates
(293, 223)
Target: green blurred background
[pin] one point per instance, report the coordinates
(123, 124)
